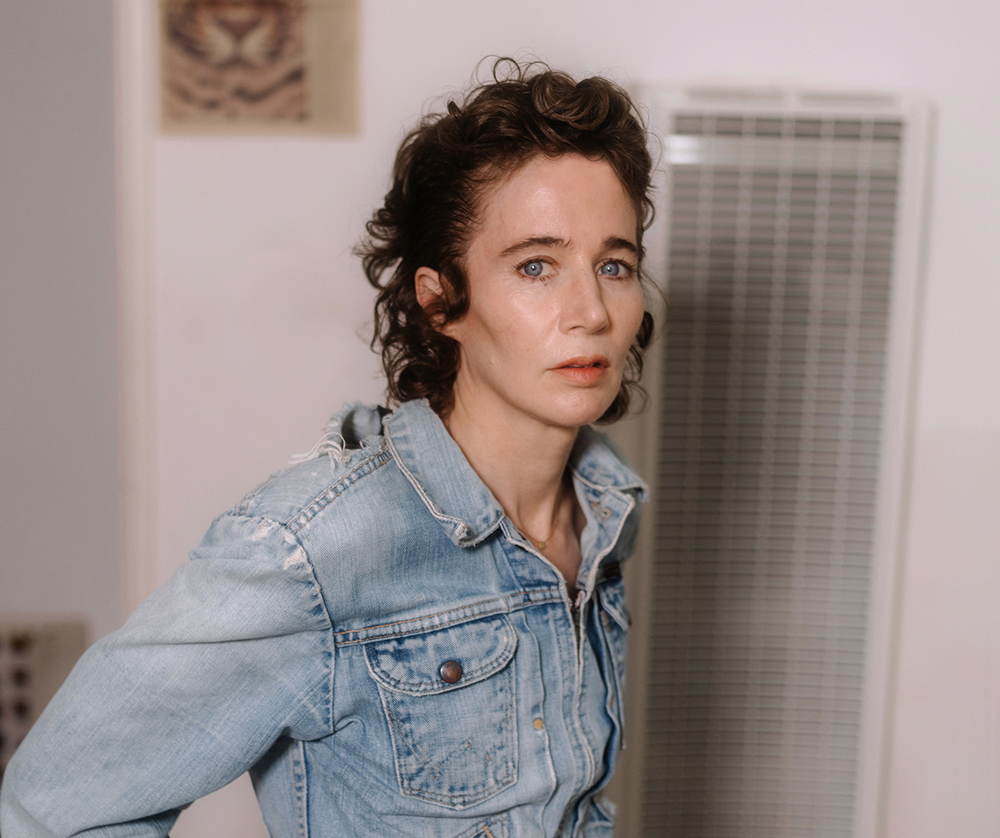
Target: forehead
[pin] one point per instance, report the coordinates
(568, 197)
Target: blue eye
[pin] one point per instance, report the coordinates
(534, 267)
(612, 269)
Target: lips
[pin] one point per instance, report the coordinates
(583, 370)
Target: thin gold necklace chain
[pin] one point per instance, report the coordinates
(543, 543)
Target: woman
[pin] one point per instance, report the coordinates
(420, 629)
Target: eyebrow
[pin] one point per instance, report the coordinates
(610, 243)
(534, 241)
(618, 243)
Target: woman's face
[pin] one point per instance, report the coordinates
(554, 295)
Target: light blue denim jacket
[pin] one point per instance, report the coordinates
(305, 642)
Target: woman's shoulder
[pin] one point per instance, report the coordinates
(351, 447)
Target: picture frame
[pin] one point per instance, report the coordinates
(265, 67)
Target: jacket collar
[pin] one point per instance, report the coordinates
(452, 491)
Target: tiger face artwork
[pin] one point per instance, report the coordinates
(234, 60)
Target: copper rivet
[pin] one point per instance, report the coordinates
(539, 724)
(450, 671)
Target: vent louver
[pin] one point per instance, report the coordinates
(770, 434)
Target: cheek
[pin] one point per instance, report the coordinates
(631, 313)
(518, 326)
(486, 338)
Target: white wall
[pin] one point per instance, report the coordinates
(59, 544)
(260, 302)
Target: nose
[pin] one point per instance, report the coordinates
(583, 305)
(239, 29)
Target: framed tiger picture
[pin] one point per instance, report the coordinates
(258, 66)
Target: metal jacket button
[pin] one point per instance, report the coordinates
(450, 671)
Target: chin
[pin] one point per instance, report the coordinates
(582, 409)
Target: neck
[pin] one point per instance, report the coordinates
(520, 459)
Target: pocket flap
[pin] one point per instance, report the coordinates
(412, 664)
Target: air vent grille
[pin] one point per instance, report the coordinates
(780, 263)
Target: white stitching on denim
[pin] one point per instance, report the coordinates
(301, 792)
(331, 493)
(498, 659)
(461, 527)
(510, 602)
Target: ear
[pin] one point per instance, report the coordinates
(430, 292)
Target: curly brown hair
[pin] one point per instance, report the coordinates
(443, 168)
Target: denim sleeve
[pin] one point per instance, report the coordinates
(235, 651)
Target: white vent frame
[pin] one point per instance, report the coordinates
(638, 436)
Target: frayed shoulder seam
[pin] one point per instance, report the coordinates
(362, 469)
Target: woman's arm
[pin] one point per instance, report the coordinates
(235, 651)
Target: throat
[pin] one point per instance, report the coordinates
(561, 547)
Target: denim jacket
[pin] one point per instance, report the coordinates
(369, 635)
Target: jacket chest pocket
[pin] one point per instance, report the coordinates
(449, 700)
